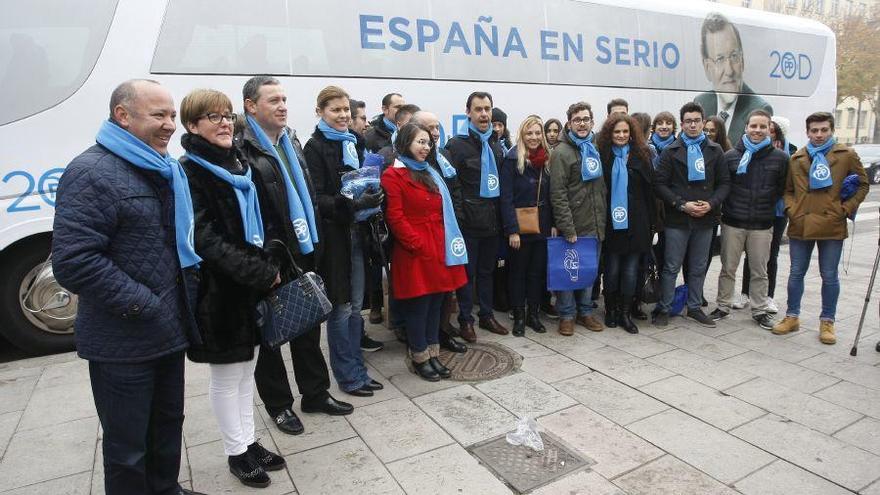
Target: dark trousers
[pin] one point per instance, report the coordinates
(140, 406)
(621, 273)
(526, 273)
(422, 319)
(772, 265)
(482, 254)
(309, 371)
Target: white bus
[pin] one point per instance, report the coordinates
(60, 59)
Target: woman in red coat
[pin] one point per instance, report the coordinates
(429, 253)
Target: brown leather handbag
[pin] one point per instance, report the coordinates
(527, 218)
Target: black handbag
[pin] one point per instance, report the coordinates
(650, 290)
(294, 308)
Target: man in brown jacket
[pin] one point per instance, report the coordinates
(817, 216)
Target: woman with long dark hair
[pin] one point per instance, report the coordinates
(717, 132)
(629, 176)
(552, 129)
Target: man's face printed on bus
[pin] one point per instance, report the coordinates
(724, 60)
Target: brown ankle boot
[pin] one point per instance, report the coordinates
(566, 327)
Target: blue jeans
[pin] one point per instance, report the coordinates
(346, 325)
(422, 316)
(621, 273)
(140, 406)
(482, 258)
(829, 256)
(696, 243)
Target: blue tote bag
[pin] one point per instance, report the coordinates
(572, 266)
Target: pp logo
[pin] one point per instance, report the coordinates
(457, 246)
(257, 240)
(822, 172)
(592, 165)
(699, 165)
(572, 264)
(349, 146)
(301, 229)
(492, 182)
(619, 214)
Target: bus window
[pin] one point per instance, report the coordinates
(47, 50)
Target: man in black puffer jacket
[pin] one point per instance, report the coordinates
(116, 245)
(378, 136)
(481, 220)
(265, 103)
(757, 181)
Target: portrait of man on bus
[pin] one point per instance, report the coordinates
(724, 62)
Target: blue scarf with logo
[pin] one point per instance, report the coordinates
(391, 126)
(751, 149)
(696, 165)
(456, 252)
(591, 167)
(445, 167)
(820, 172)
(349, 150)
(299, 201)
(136, 152)
(659, 145)
(619, 186)
(245, 193)
(489, 185)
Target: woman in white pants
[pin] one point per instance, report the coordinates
(235, 273)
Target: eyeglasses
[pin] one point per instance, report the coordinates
(423, 142)
(691, 121)
(215, 118)
(734, 57)
(581, 120)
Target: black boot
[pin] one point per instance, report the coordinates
(625, 318)
(533, 319)
(421, 363)
(635, 310)
(450, 344)
(248, 470)
(434, 352)
(611, 303)
(519, 322)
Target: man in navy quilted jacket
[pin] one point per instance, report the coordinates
(122, 237)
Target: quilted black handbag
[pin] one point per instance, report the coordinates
(294, 308)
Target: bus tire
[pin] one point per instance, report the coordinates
(16, 263)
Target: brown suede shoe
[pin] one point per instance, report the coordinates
(590, 323)
(492, 325)
(566, 327)
(466, 331)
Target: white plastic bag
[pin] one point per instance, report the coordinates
(526, 434)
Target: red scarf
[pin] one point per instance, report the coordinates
(538, 157)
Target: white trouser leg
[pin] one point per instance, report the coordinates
(231, 392)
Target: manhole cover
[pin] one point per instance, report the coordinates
(482, 361)
(523, 468)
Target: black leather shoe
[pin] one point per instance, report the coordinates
(373, 385)
(426, 371)
(289, 423)
(441, 370)
(327, 405)
(269, 460)
(360, 392)
(533, 320)
(248, 471)
(450, 344)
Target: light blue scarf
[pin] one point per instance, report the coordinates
(299, 201)
(456, 252)
(751, 149)
(391, 126)
(591, 167)
(131, 149)
(445, 167)
(245, 193)
(489, 185)
(660, 144)
(619, 186)
(696, 165)
(349, 150)
(820, 172)
(780, 205)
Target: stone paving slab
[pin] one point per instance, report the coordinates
(612, 399)
(467, 414)
(525, 396)
(581, 483)
(821, 454)
(341, 468)
(703, 402)
(845, 369)
(320, 430)
(864, 434)
(448, 470)
(783, 478)
(16, 388)
(553, 368)
(638, 345)
(715, 374)
(622, 366)
(210, 471)
(77, 484)
(852, 396)
(709, 347)
(760, 340)
(783, 372)
(8, 423)
(670, 476)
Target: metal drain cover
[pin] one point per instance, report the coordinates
(482, 361)
(523, 468)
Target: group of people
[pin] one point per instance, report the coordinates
(173, 258)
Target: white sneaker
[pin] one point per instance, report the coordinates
(771, 306)
(740, 302)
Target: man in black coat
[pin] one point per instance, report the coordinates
(115, 244)
(481, 221)
(692, 183)
(757, 181)
(266, 103)
(382, 127)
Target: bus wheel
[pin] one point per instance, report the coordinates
(36, 314)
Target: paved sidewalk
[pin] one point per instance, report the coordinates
(682, 410)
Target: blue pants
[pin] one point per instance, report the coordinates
(621, 273)
(829, 257)
(140, 406)
(696, 243)
(346, 325)
(482, 255)
(422, 319)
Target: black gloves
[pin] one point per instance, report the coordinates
(369, 199)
